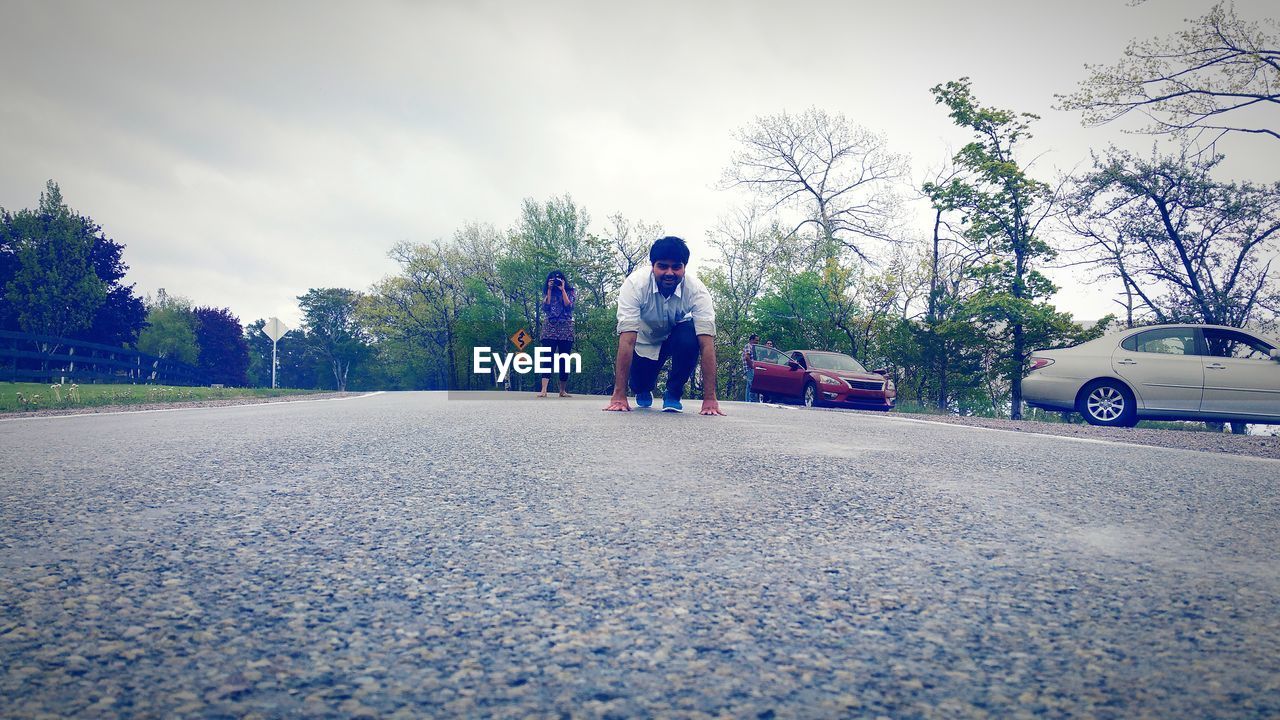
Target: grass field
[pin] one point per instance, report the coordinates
(19, 397)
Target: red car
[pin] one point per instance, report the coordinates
(817, 378)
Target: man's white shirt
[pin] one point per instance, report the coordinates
(644, 311)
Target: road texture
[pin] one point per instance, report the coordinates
(410, 555)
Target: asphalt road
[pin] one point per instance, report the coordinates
(408, 554)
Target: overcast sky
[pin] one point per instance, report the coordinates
(245, 152)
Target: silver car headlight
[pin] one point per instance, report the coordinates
(828, 380)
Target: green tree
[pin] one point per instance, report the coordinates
(1004, 207)
(556, 234)
(481, 322)
(551, 234)
(54, 290)
(171, 329)
(333, 334)
(419, 308)
(483, 285)
(259, 345)
(8, 269)
(295, 369)
(223, 353)
(123, 313)
(793, 313)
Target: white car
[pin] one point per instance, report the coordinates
(1161, 372)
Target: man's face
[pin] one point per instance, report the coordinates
(668, 273)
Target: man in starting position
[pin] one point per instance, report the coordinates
(662, 313)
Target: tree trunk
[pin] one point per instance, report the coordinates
(943, 390)
(933, 272)
(1019, 336)
(339, 376)
(1015, 385)
(453, 361)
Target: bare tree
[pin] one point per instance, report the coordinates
(950, 252)
(748, 246)
(1186, 247)
(944, 262)
(1221, 74)
(629, 242)
(840, 176)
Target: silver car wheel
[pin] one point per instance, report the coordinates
(1105, 403)
(810, 393)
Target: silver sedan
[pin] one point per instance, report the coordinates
(1162, 372)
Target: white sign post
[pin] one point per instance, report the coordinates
(275, 330)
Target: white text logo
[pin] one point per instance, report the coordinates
(543, 361)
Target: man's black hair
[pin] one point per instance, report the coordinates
(669, 248)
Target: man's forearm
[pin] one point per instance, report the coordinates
(622, 368)
(707, 349)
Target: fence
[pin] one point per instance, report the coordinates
(40, 358)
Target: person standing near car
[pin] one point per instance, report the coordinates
(558, 298)
(748, 363)
(664, 314)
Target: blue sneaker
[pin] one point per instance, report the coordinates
(670, 404)
(644, 399)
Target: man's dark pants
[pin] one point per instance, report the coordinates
(682, 347)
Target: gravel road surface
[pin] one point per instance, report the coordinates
(1267, 446)
(410, 555)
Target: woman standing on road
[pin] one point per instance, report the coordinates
(557, 325)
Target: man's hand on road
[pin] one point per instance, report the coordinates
(618, 405)
(711, 407)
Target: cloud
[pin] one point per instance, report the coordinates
(246, 152)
